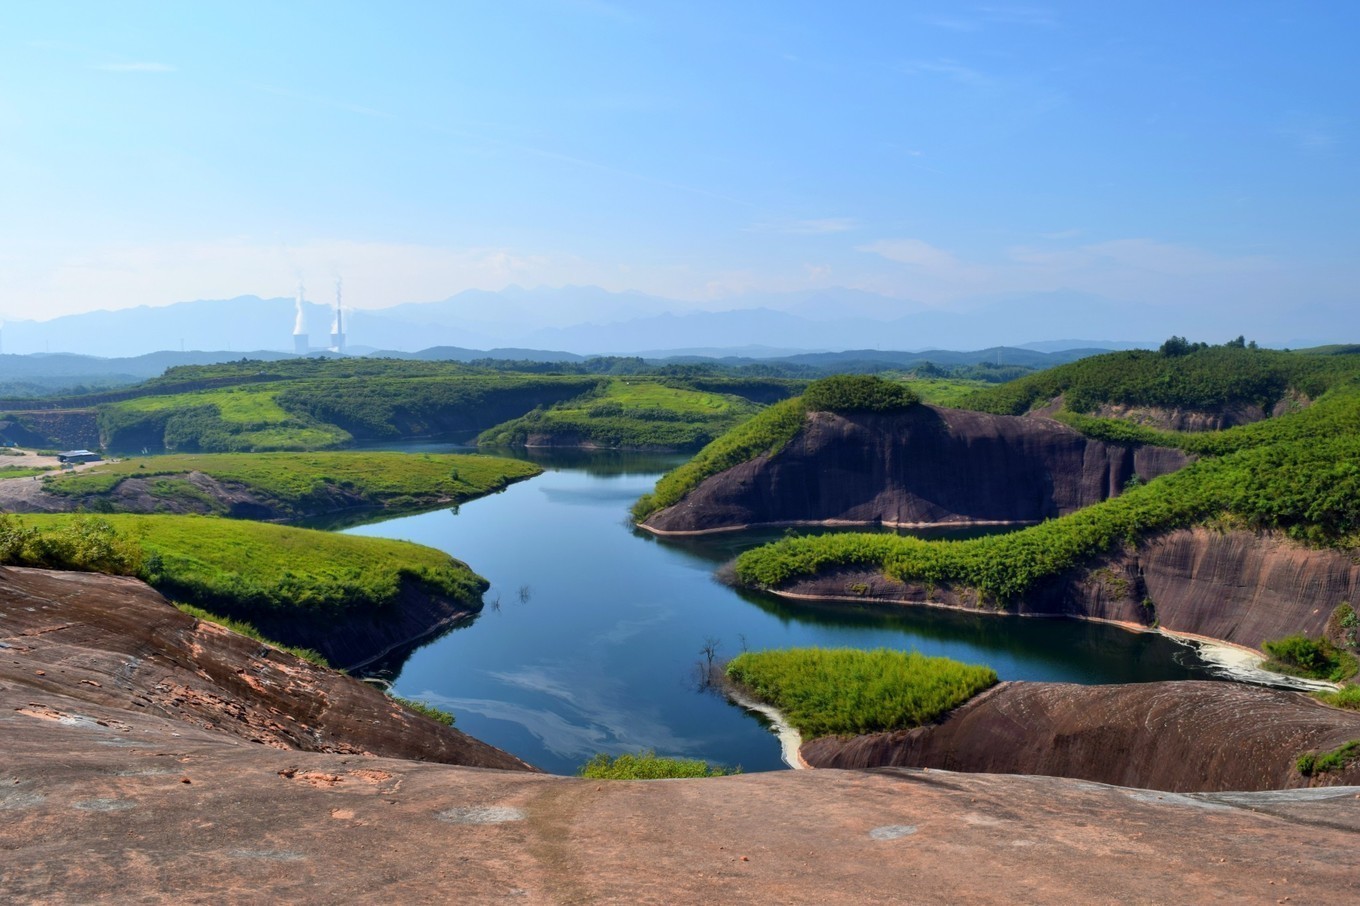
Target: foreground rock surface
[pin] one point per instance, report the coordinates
(115, 789)
(74, 641)
(1174, 736)
(925, 466)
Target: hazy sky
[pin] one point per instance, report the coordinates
(1179, 153)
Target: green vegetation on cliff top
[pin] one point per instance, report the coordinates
(628, 413)
(305, 483)
(847, 691)
(771, 429)
(237, 567)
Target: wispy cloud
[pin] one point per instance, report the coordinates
(135, 67)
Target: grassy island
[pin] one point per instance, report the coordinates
(846, 691)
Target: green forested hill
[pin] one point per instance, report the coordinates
(1203, 379)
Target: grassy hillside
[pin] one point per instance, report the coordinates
(227, 419)
(1203, 379)
(237, 567)
(303, 483)
(628, 413)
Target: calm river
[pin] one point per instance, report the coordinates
(593, 631)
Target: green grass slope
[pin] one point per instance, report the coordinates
(237, 567)
(300, 483)
(624, 413)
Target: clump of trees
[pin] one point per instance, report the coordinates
(858, 393)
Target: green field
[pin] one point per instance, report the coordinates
(244, 418)
(628, 413)
(238, 567)
(847, 691)
(304, 483)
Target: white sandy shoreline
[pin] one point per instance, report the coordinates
(790, 740)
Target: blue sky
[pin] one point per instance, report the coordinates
(1195, 156)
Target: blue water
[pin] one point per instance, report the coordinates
(593, 631)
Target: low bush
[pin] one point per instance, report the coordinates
(847, 691)
(240, 627)
(1347, 697)
(1299, 655)
(1310, 764)
(438, 715)
(648, 765)
(858, 393)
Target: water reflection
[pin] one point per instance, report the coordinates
(592, 630)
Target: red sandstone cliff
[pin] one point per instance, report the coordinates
(1237, 586)
(927, 465)
(1176, 736)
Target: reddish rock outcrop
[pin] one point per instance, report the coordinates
(925, 466)
(100, 640)
(1175, 736)
(1236, 586)
(114, 788)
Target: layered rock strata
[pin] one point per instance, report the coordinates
(925, 466)
(1173, 736)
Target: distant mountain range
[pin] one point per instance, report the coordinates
(587, 321)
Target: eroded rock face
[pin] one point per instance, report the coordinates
(116, 643)
(1237, 586)
(926, 466)
(1174, 736)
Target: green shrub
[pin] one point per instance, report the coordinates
(1310, 764)
(240, 627)
(1347, 697)
(438, 715)
(858, 393)
(847, 691)
(648, 765)
(1299, 655)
